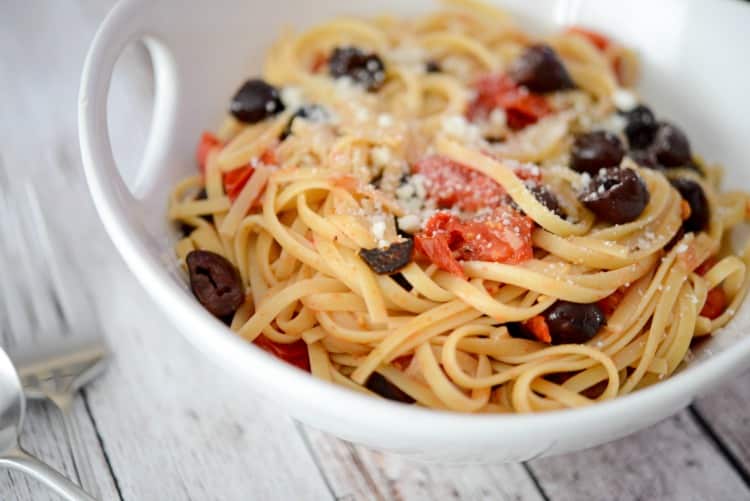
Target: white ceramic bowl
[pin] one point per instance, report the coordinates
(695, 71)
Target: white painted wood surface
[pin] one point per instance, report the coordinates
(164, 424)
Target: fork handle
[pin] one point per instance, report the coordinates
(20, 460)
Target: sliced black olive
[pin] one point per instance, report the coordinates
(516, 330)
(380, 385)
(675, 239)
(545, 196)
(311, 112)
(596, 150)
(616, 195)
(432, 67)
(401, 280)
(215, 282)
(365, 69)
(539, 69)
(389, 260)
(671, 146)
(573, 322)
(694, 196)
(641, 127)
(255, 101)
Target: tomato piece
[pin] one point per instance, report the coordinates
(521, 106)
(318, 62)
(269, 157)
(207, 143)
(293, 353)
(438, 250)
(610, 303)
(452, 184)
(706, 265)
(600, 41)
(716, 303)
(538, 327)
(235, 180)
(502, 236)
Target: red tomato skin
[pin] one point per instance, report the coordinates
(600, 41)
(503, 236)
(522, 108)
(235, 180)
(716, 303)
(294, 353)
(207, 143)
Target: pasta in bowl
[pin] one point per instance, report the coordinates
(448, 211)
(202, 60)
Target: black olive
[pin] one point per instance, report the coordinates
(616, 195)
(389, 260)
(366, 69)
(215, 282)
(255, 101)
(645, 158)
(641, 127)
(573, 322)
(596, 150)
(694, 196)
(545, 196)
(401, 280)
(540, 70)
(675, 239)
(671, 146)
(311, 112)
(432, 67)
(516, 330)
(377, 383)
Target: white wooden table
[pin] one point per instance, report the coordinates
(165, 424)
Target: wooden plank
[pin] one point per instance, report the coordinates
(357, 473)
(725, 413)
(172, 425)
(672, 460)
(177, 427)
(44, 437)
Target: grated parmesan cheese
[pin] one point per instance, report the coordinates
(291, 97)
(624, 99)
(381, 155)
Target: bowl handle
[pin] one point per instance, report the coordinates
(125, 24)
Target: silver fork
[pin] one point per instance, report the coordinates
(51, 332)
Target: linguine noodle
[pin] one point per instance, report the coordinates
(352, 175)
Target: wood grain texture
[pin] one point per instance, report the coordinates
(672, 460)
(164, 424)
(355, 473)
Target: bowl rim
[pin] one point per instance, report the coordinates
(210, 335)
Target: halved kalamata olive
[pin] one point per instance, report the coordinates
(694, 196)
(616, 195)
(311, 112)
(573, 322)
(545, 196)
(215, 282)
(596, 150)
(432, 67)
(540, 70)
(516, 330)
(366, 69)
(255, 101)
(377, 383)
(671, 146)
(641, 127)
(389, 260)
